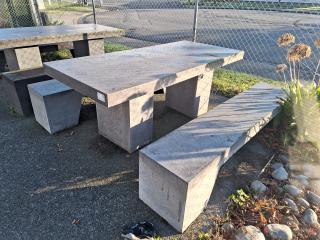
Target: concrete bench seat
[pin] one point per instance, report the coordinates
(56, 106)
(177, 173)
(15, 87)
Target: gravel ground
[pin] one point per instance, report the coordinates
(78, 185)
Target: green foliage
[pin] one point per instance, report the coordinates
(239, 198)
(204, 236)
(57, 7)
(57, 55)
(114, 47)
(230, 83)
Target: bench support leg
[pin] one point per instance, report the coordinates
(130, 124)
(23, 58)
(88, 47)
(191, 97)
(177, 201)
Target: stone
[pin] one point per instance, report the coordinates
(88, 47)
(177, 173)
(56, 106)
(249, 233)
(310, 218)
(313, 198)
(147, 70)
(291, 221)
(276, 165)
(284, 158)
(292, 190)
(31, 36)
(195, 98)
(23, 58)
(280, 174)
(16, 90)
(315, 186)
(291, 204)
(303, 203)
(258, 187)
(302, 180)
(129, 125)
(278, 232)
(228, 228)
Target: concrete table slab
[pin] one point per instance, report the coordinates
(21, 45)
(127, 78)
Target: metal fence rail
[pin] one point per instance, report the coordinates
(252, 26)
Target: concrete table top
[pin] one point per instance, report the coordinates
(115, 78)
(31, 36)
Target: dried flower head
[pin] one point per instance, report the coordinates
(317, 43)
(281, 68)
(299, 52)
(286, 39)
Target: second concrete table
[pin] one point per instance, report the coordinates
(123, 84)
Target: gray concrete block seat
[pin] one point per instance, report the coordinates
(15, 87)
(177, 173)
(56, 106)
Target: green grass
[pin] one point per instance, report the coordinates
(114, 47)
(67, 7)
(230, 83)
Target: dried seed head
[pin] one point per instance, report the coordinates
(317, 43)
(299, 52)
(281, 68)
(286, 39)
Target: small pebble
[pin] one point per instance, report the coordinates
(278, 232)
(310, 218)
(292, 190)
(303, 203)
(302, 179)
(280, 174)
(228, 228)
(284, 158)
(311, 170)
(258, 187)
(313, 198)
(249, 233)
(276, 165)
(292, 205)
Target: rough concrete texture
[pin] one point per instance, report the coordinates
(47, 182)
(56, 106)
(88, 47)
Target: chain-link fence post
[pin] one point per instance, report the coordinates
(94, 12)
(195, 20)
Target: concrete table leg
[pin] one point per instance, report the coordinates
(130, 124)
(23, 58)
(191, 97)
(88, 47)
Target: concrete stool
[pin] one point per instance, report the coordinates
(56, 106)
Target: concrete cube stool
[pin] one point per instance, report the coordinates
(56, 106)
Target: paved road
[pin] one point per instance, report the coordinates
(253, 31)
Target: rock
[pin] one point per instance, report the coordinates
(284, 158)
(258, 187)
(313, 198)
(276, 165)
(295, 167)
(292, 190)
(310, 218)
(303, 203)
(228, 228)
(280, 174)
(249, 233)
(292, 205)
(291, 221)
(315, 186)
(304, 180)
(278, 232)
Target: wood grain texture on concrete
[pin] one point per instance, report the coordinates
(31, 36)
(114, 78)
(177, 173)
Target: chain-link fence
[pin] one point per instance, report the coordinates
(252, 26)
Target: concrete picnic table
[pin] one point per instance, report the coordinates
(123, 84)
(21, 45)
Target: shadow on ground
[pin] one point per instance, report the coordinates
(78, 185)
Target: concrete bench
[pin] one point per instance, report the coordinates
(15, 87)
(177, 173)
(56, 106)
